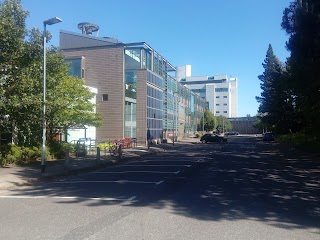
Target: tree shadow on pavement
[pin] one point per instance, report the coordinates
(249, 180)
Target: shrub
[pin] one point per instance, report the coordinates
(12, 154)
(105, 146)
(198, 135)
(300, 139)
(58, 150)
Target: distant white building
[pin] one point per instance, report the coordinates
(220, 91)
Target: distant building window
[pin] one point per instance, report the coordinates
(225, 104)
(217, 111)
(104, 97)
(211, 78)
(225, 111)
(217, 104)
(225, 97)
(221, 89)
(217, 97)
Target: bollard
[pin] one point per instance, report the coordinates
(120, 151)
(67, 159)
(98, 155)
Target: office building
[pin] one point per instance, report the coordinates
(220, 91)
(138, 95)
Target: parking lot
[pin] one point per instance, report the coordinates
(124, 182)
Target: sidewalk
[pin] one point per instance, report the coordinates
(17, 176)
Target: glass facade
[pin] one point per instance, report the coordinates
(131, 84)
(172, 109)
(130, 119)
(132, 62)
(154, 107)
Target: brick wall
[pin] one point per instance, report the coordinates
(104, 70)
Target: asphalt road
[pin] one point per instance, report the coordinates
(242, 189)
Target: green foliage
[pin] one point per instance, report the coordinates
(58, 150)
(301, 139)
(301, 20)
(12, 154)
(198, 135)
(209, 121)
(21, 56)
(277, 109)
(223, 123)
(105, 146)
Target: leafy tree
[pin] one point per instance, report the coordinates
(301, 20)
(223, 124)
(68, 100)
(209, 122)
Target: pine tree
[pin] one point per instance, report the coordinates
(301, 20)
(276, 106)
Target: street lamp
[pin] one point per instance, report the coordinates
(50, 21)
(175, 118)
(203, 122)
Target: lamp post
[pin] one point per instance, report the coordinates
(50, 21)
(203, 122)
(175, 118)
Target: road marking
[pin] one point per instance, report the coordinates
(139, 172)
(156, 165)
(71, 197)
(158, 183)
(102, 181)
(168, 161)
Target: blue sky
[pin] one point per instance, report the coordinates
(215, 37)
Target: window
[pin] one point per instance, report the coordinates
(225, 96)
(104, 97)
(221, 89)
(217, 97)
(75, 69)
(225, 111)
(217, 111)
(225, 104)
(217, 104)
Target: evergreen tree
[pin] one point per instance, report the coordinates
(301, 20)
(276, 99)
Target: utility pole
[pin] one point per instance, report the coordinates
(203, 122)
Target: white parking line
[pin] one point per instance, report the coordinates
(102, 181)
(127, 165)
(158, 183)
(169, 160)
(138, 172)
(72, 198)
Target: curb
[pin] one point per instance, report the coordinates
(45, 177)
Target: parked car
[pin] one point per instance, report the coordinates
(268, 137)
(212, 138)
(232, 134)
